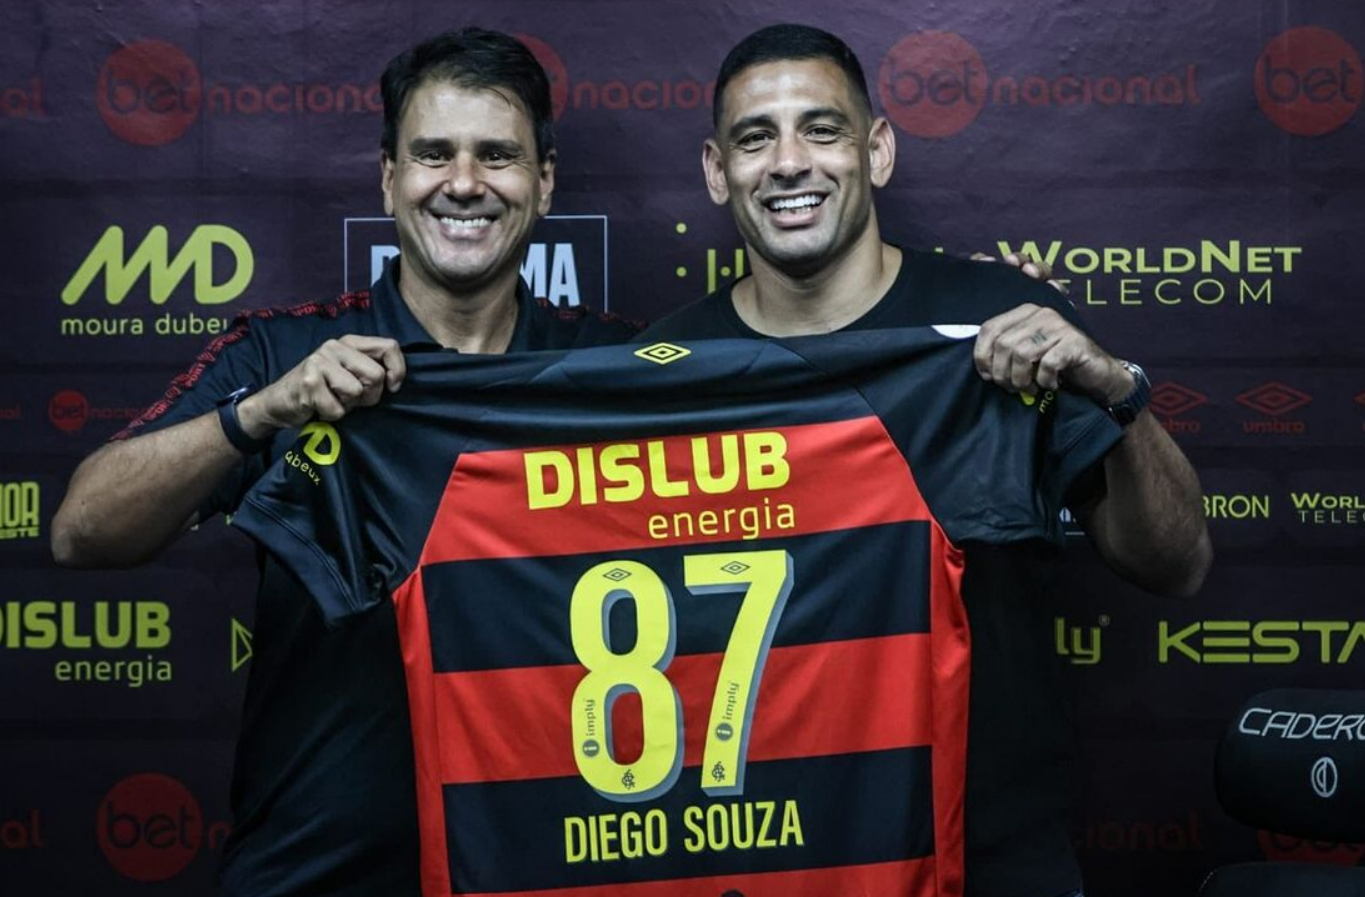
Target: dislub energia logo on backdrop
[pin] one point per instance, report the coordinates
(149, 92)
(935, 83)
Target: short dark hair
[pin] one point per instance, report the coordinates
(470, 57)
(776, 43)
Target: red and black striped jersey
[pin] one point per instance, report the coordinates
(682, 619)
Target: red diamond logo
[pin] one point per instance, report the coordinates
(1170, 399)
(1274, 399)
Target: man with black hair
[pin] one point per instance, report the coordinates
(796, 153)
(323, 795)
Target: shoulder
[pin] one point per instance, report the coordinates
(576, 327)
(705, 318)
(970, 292)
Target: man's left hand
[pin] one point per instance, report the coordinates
(1032, 347)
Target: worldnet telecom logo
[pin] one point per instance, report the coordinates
(1308, 81)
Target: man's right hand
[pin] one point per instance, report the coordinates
(351, 372)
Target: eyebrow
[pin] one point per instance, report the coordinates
(419, 145)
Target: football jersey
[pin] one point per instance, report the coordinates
(682, 619)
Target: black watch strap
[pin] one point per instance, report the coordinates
(1127, 411)
(232, 427)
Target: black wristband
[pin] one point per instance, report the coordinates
(232, 427)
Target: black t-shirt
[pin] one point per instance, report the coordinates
(781, 515)
(1017, 810)
(323, 795)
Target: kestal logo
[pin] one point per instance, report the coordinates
(934, 84)
(616, 95)
(153, 264)
(68, 410)
(149, 827)
(23, 102)
(1308, 81)
(150, 92)
(1274, 400)
(19, 510)
(1296, 850)
(1264, 641)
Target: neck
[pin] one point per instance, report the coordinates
(478, 321)
(780, 304)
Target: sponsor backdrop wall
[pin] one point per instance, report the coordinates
(1191, 170)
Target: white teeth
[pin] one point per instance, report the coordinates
(466, 222)
(796, 202)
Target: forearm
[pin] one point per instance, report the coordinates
(1149, 526)
(131, 499)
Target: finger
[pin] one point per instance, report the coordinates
(346, 387)
(326, 406)
(992, 332)
(395, 365)
(1053, 363)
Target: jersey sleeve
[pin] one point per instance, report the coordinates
(234, 359)
(993, 466)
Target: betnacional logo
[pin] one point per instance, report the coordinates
(23, 833)
(1283, 848)
(650, 93)
(11, 413)
(1209, 274)
(565, 264)
(934, 84)
(150, 827)
(121, 642)
(19, 510)
(1276, 403)
(150, 92)
(23, 101)
(1308, 81)
(69, 410)
(1327, 642)
(153, 267)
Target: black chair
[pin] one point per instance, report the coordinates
(1293, 762)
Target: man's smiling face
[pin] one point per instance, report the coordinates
(465, 186)
(793, 157)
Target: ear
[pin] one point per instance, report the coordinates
(386, 181)
(881, 152)
(713, 166)
(547, 183)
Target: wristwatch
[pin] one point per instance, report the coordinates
(1126, 411)
(232, 427)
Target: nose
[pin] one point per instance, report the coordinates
(791, 158)
(463, 179)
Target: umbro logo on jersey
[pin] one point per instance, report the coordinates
(662, 353)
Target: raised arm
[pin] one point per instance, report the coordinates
(132, 498)
(1148, 520)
